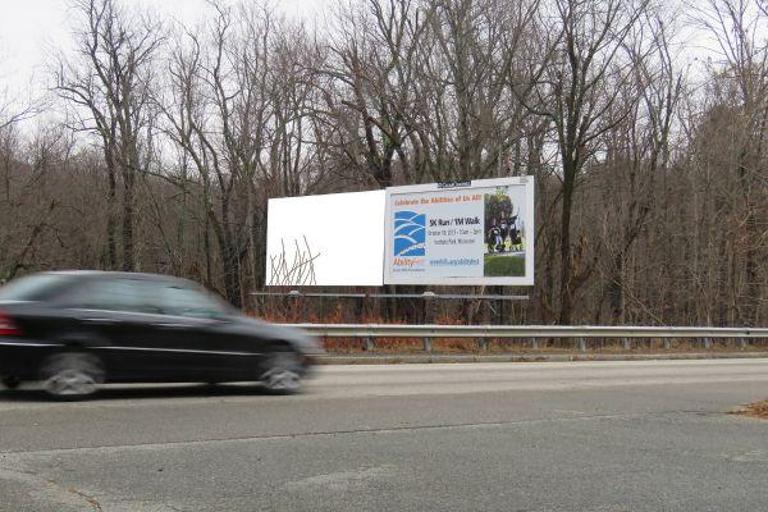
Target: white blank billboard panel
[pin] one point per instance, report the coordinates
(326, 240)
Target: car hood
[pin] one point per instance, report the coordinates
(300, 340)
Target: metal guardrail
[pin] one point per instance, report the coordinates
(369, 332)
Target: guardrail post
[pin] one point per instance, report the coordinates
(534, 344)
(582, 344)
(707, 343)
(369, 344)
(430, 312)
(742, 343)
(297, 305)
(627, 344)
(483, 342)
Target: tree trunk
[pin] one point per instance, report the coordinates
(231, 266)
(566, 295)
(616, 289)
(129, 262)
(111, 221)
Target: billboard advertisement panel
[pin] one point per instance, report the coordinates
(326, 240)
(473, 233)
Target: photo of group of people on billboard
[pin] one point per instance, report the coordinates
(505, 236)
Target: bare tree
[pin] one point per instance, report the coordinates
(637, 153)
(108, 86)
(222, 115)
(578, 90)
(367, 87)
(737, 27)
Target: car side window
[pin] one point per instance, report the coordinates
(121, 294)
(183, 301)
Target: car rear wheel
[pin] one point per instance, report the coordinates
(10, 382)
(72, 376)
(283, 372)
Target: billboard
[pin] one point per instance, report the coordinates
(471, 233)
(326, 240)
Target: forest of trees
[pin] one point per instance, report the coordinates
(651, 166)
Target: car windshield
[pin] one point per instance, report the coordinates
(31, 288)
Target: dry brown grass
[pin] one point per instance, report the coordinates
(755, 410)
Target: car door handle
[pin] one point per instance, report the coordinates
(99, 321)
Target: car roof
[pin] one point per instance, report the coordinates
(109, 273)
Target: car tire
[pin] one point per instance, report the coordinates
(282, 372)
(10, 382)
(71, 376)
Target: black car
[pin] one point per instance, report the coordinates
(75, 330)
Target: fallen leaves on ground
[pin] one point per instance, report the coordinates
(756, 410)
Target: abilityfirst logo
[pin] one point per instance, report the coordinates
(410, 234)
(408, 263)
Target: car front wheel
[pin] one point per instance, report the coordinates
(283, 372)
(71, 376)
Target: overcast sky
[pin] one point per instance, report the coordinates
(30, 28)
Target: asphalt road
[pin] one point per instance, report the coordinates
(600, 436)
